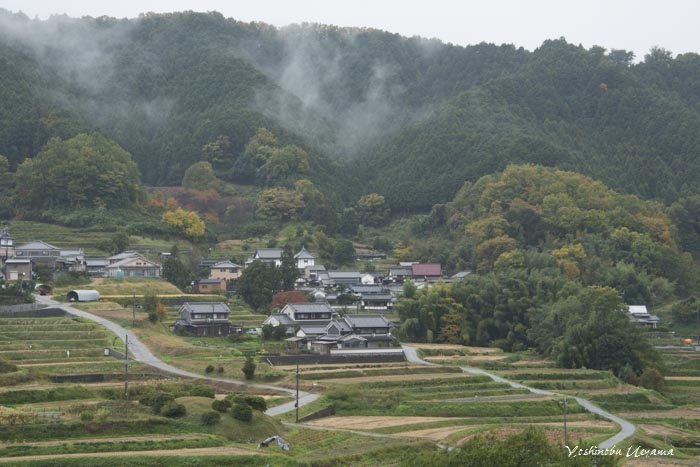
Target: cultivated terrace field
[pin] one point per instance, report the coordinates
(63, 402)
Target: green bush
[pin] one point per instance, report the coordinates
(221, 405)
(210, 418)
(242, 412)
(157, 401)
(7, 367)
(254, 402)
(249, 368)
(173, 410)
(209, 369)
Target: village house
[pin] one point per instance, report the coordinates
(294, 315)
(65, 259)
(266, 255)
(304, 259)
(17, 269)
(639, 314)
(131, 264)
(226, 270)
(206, 319)
(359, 332)
(426, 271)
(211, 286)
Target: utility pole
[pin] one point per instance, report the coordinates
(565, 437)
(297, 404)
(126, 367)
(133, 310)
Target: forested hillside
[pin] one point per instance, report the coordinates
(373, 112)
(163, 86)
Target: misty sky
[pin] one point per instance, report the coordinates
(635, 25)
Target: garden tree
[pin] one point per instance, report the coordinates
(255, 153)
(288, 268)
(201, 176)
(218, 152)
(401, 250)
(249, 368)
(686, 311)
(176, 272)
(591, 329)
(322, 244)
(316, 207)
(372, 209)
(86, 171)
(488, 251)
(280, 299)
(6, 189)
(117, 243)
(343, 252)
(349, 221)
(278, 204)
(686, 216)
(187, 223)
(283, 164)
(259, 282)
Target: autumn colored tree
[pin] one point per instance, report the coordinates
(278, 204)
(187, 223)
(372, 209)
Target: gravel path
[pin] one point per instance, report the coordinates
(626, 428)
(141, 353)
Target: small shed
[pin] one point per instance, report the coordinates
(83, 296)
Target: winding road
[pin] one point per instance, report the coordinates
(626, 428)
(141, 353)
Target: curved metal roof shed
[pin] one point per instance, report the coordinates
(83, 296)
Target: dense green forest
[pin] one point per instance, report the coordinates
(408, 118)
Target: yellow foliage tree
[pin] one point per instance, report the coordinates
(186, 222)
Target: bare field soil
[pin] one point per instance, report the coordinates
(370, 379)
(692, 413)
(354, 422)
(435, 434)
(661, 430)
(464, 348)
(466, 358)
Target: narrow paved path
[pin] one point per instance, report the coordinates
(141, 353)
(626, 428)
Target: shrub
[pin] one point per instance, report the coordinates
(173, 409)
(201, 390)
(652, 379)
(254, 402)
(209, 369)
(7, 367)
(210, 418)
(157, 401)
(221, 405)
(249, 368)
(242, 411)
(220, 370)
